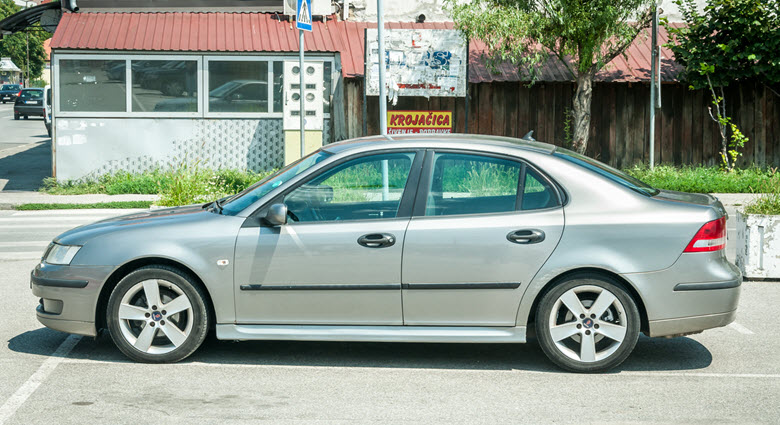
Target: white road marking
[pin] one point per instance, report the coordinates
(42, 244)
(741, 329)
(648, 374)
(24, 392)
(86, 213)
(23, 220)
(16, 256)
(37, 226)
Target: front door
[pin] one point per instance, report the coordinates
(338, 259)
(487, 226)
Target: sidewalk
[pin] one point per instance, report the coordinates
(11, 198)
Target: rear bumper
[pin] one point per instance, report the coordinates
(700, 291)
(29, 110)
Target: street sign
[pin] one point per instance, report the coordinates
(303, 15)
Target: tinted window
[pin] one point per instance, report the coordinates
(472, 184)
(163, 85)
(11, 87)
(355, 190)
(605, 170)
(31, 94)
(92, 85)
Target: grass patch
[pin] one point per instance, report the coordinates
(118, 205)
(706, 179)
(768, 204)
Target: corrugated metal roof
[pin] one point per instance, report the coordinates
(263, 32)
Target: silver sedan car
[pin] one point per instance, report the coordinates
(453, 239)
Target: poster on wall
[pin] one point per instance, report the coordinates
(419, 122)
(420, 62)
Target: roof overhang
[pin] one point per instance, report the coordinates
(26, 18)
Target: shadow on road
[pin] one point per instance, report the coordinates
(24, 170)
(651, 354)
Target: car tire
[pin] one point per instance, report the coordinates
(149, 333)
(16, 117)
(26, 116)
(581, 332)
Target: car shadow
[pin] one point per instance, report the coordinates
(651, 354)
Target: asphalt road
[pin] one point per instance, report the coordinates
(25, 151)
(726, 375)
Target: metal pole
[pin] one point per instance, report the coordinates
(653, 72)
(380, 30)
(302, 109)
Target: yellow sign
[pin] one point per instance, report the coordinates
(419, 122)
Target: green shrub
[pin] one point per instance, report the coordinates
(705, 179)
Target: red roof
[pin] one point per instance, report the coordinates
(264, 32)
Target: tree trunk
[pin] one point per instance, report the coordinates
(581, 112)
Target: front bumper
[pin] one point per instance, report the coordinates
(700, 291)
(69, 296)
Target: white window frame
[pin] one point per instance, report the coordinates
(202, 82)
(128, 58)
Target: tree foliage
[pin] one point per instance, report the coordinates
(15, 46)
(583, 35)
(729, 41)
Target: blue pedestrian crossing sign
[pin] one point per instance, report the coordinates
(303, 15)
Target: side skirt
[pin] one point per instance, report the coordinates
(446, 334)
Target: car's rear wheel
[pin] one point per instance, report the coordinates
(16, 117)
(157, 314)
(587, 323)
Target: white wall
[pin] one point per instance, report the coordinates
(408, 10)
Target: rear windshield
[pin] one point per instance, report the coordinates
(10, 87)
(605, 170)
(31, 94)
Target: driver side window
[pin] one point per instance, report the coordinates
(365, 188)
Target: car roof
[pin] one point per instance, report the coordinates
(32, 89)
(440, 140)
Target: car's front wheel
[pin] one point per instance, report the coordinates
(587, 323)
(157, 314)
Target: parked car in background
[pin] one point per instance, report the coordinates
(29, 102)
(47, 109)
(500, 238)
(9, 92)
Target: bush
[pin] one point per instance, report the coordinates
(38, 83)
(705, 179)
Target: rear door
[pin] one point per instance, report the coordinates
(483, 226)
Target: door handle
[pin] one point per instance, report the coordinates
(525, 236)
(377, 240)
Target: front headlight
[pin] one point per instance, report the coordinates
(61, 254)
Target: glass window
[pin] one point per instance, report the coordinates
(605, 170)
(238, 86)
(31, 94)
(92, 85)
(164, 85)
(355, 190)
(278, 86)
(472, 184)
(537, 192)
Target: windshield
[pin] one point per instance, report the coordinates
(239, 202)
(222, 90)
(31, 94)
(10, 87)
(605, 170)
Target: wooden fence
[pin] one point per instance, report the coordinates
(619, 132)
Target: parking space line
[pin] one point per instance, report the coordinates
(741, 329)
(644, 374)
(21, 395)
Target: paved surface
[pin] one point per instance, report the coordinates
(25, 151)
(8, 199)
(726, 375)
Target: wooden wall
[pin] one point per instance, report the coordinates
(619, 132)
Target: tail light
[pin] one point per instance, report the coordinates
(19, 94)
(711, 237)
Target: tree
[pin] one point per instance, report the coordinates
(15, 45)
(730, 41)
(583, 35)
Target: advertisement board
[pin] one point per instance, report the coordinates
(420, 62)
(419, 122)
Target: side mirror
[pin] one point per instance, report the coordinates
(276, 215)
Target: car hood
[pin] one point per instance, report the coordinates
(167, 216)
(703, 199)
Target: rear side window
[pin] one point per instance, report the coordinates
(476, 184)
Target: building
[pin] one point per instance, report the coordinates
(9, 72)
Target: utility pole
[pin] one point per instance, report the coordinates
(302, 93)
(653, 79)
(380, 31)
